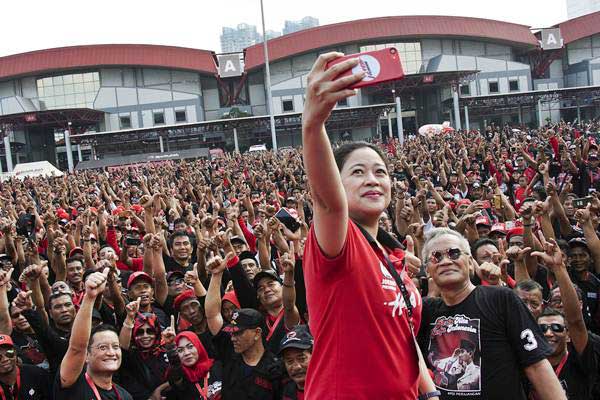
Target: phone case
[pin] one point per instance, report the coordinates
(379, 66)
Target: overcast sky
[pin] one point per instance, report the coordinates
(34, 25)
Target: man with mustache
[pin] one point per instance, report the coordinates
(296, 350)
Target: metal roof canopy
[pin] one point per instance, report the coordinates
(414, 82)
(78, 117)
(483, 104)
(341, 119)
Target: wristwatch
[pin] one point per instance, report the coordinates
(426, 396)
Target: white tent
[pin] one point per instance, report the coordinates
(33, 169)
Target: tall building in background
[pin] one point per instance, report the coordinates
(577, 8)
(237, 39)
(272, 34)
(304, 23)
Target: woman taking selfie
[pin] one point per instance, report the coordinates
(357, 277)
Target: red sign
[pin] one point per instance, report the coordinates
(30, 118)
(428, 79)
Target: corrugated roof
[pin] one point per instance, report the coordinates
(64, 58)
(390, 27)
(579, 28)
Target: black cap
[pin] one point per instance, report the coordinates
(245, 318)
(578, 241)
(175, 274)
(266, 274)
(237, 239)
(247, 255)
(297, 338)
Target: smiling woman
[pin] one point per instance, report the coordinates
(359, 266)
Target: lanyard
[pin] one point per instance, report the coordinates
(561, 364)
(95, 389)
(203, 392)
(274, 326)
(15, 393)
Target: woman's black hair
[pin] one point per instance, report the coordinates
(341, 153)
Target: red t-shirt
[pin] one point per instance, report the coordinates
(363, 346)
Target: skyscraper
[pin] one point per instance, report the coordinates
(237, 39)
(577, 8)
(304, 23)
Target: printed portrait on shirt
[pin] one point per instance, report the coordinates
(454, 352)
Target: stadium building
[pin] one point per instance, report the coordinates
(117, 104)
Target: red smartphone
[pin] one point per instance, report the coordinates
(379, 66)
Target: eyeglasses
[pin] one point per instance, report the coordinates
(10, 353)
(556, 328)
(453, 254)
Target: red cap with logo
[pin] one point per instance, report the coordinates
(6, 340)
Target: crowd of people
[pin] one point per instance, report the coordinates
(461, 265)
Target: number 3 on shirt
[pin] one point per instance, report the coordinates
(529, 337)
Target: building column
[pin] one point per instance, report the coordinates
(399, 120)
(390, 130)
(578, 111)
(69, 150)
(540, 119)
(79, 155)
(456, 108)
(520, 114)
(235, 140)
(467, 127)
(162, 145)
(8, 152)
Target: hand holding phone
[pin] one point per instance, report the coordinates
(379, 66)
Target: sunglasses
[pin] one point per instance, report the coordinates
(146, 331)
(11, 353)
(453, 254)
(556, 328)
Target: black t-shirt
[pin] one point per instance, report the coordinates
(29, 349)
(579, 373)
(35, 384)
(478, 348)
(54, 341)
(141, 375)
(241, 381)
(81, 390)
(172, 265)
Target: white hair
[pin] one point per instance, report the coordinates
(436, 233)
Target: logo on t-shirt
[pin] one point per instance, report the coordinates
(454, 352)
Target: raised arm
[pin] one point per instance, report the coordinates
(125, 335)
(73, 362)
(291, 315)
(5, 321)
(552, 257)
(212, 305)
(329, 198)
(544, 380)
(583, 217)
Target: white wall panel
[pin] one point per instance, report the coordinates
(149, 96)
(127, 96)
(106, 98)
(190, 112)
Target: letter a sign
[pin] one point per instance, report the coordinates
(230, 65)
(551, 39)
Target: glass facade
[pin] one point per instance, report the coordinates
(410, 54)
(69, 91)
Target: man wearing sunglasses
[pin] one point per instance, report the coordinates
(506, 339)
(573, 357)
(26, 382)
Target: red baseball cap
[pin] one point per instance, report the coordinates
(188, 294)
(519, 231)
(136, 208)
(463, 202)
(483, 220)
(6, 340)
(118, 210)
(139, 275)
(499, 227)
(75, 250)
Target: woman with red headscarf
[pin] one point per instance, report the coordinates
(145, 361)
(189, 375)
